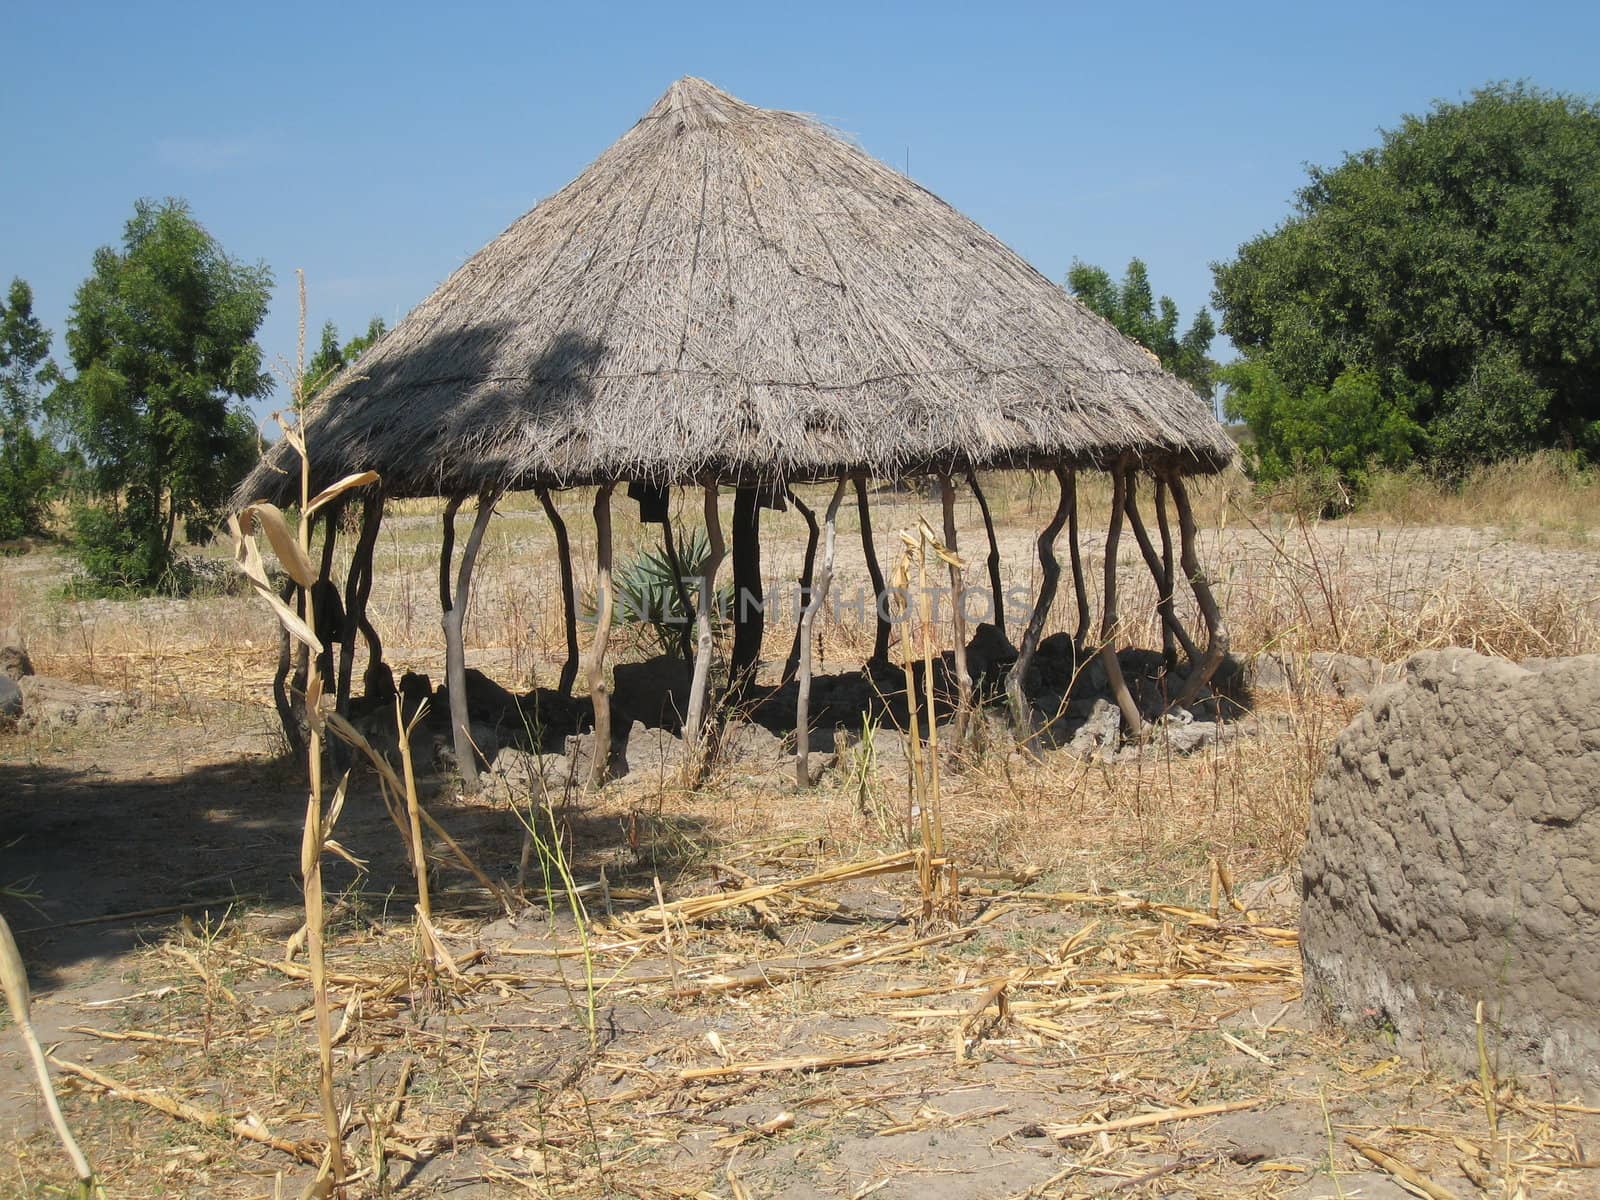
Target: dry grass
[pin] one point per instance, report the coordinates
(736, 1050)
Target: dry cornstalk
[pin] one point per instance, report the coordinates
(770, 974)
(1162, 1117)
(419, 862)
(1408, 1175)
(14, 982)
(805, 1062)
(185, 1111)
(699, 908)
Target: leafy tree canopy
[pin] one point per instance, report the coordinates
(331, 357)
(1131, 306)
(1454, 270)
(30, 467)
(162, 336)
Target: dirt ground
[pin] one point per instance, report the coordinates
(1085, 1014)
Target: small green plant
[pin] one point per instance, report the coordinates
(862, 782)
(656, 597)
(544, 836)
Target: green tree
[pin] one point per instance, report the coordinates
(162, 336)
(331, 357)
(30, 467)
(1455, 268)
(1132, 308)
(1344, 428)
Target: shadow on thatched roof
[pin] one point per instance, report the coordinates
(740, 292)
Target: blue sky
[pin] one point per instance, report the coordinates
(379, 146)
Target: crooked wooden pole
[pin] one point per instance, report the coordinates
(281, 699)
(814, 602)
(1080, 590)
(1216, 630)
(807, 570)
(1131, 721)
(357, 589)
(749, 615)
(569, 596)
(700, 684)
(881, 630)
(1167, 577)
(1172, 630)
(329, 613)
(958, 615)
(599, 691)
(454, 620)
(1021, 716)
(447, 550)
(994, 553)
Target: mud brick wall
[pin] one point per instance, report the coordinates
(1454, 856)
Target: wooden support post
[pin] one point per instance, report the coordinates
(287, 716)
(807, 570)
(1171, 627)
(357, 588)
(1021, 715)
(880, 637)
(749, 617)
(447, 550)
(819, 594)
(1080, 590)
(1216, 630)
(958, 616)
(455, 653)
(1167, 577)
(569, 596)
(705, 603)
(1131, 721)
(330, 616)
(994, 553)
(599, 692)
(301, 674)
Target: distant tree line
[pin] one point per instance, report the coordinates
(149, 433)
(1433, 300)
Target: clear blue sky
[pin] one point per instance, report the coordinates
(377, 147)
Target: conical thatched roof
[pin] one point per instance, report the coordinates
(740, 292)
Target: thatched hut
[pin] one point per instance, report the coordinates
(733, 297)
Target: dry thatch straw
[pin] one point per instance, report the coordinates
(740, 293)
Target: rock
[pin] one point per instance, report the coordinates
(52, 705)
(487, 701)
(1320, 673)
(1454, 857)
(989, 656)
(1054, 663)
(1185, 735)
(377, 684)
(1097, 730)
(655, 692)
(14, 662)
(650, 752)
(485, 740)
(747, 742)
(1344, 674)
(10, 702)
(415, 689)
(524, 773)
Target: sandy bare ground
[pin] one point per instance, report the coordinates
(836, 1041)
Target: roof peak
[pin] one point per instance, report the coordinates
(697, 104)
